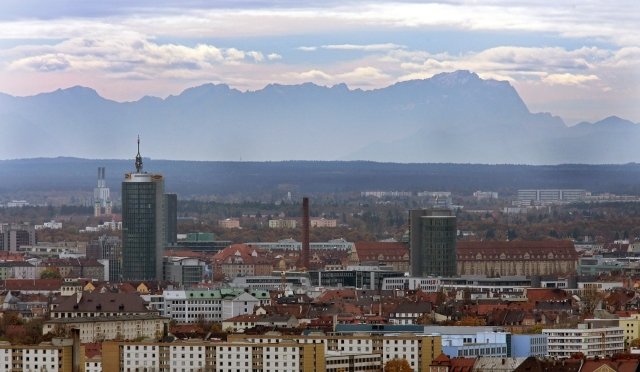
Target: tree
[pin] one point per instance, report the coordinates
(50, 274)
(398, 365)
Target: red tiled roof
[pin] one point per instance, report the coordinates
(92, 349)
(371, 251)
(31, 284)
(619, 365)
(245, 252)
(540, 250)
(546, 294)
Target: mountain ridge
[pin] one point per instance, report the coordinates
(450, 117)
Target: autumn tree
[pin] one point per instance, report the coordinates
(398, 365)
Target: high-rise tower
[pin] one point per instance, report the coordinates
(143, 224)
(432, 242)
(101, 200)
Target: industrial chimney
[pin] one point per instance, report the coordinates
(304, 254)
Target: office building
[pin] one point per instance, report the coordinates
(108, 248)
(13, 236)
(171, 208)
(143, 224)
(359, 277)
(551, 196)
(432, 242)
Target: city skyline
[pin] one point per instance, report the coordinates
(575, 60)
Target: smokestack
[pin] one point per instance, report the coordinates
(304, 255)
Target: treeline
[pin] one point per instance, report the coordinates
(268, 180)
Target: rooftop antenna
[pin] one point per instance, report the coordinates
(138, 158)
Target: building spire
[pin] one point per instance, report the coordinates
(138, 158)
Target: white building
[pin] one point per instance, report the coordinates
(428, 284)
(211, 305)
(591, 342)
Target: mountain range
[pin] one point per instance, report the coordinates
(452, 117)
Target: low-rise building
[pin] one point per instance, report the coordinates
(229, 223)
(97, 304)
(322, 222)
(191, 306)
(282, 224)
(98, 329)
(502, 258)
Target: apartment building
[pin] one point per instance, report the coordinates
(245, 356)
(47, 356)
(591, 342)
(419, 350)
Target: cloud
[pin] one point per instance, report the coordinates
(43, 63)
(614, 21)
(568, 79)
(273, 56)
(309, 75)
(365, 47)
(128, 55)
(308, 48)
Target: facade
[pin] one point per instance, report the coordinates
(293, 245)
(282, 224)
(18, 270)
(503, 258)
(209, 356)
(529, 345)
(108, 248)
(394, 254)
(418, 350)
(101, 198)
(631, 328)
(322, 222)
(361, 277)
(483, 195)
(13, 236)
(550, 196)
(410, 283)
(437, 199)
(591, 342)
(242, 260)
(184, 271)
(171, 209)
(271, 282)
(229, 223)
(211, 305)
(143, 224)
(98, 329)
(432, 242)
(56, 355)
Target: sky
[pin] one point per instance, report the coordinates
(579, 60)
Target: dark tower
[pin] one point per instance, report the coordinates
(432, 242)
(143, 224)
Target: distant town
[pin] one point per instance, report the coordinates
(544, 279)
